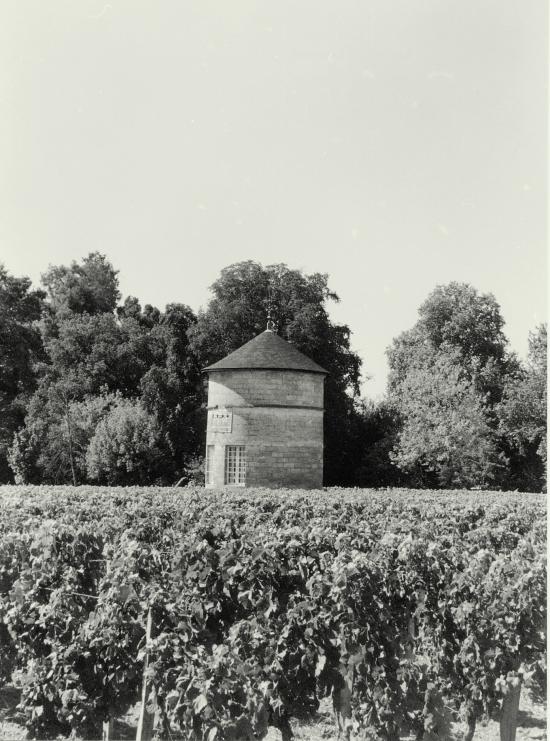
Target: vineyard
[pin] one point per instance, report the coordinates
(229, 613)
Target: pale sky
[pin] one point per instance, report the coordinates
(393, 144)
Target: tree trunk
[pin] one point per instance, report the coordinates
(146, 719)
(70, 433)
(509, 713)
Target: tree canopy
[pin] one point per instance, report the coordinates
(456, 318)
(97, 357)
(20, 351)
(87, 288)
(95, 389)
(448, 376)
(125, 446)
(446, 439)
(522, 416)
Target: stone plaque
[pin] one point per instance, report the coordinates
(221, 420)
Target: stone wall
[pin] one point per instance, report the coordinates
(278, 417)
(258, 387)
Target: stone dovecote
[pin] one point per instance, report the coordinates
(265, 417)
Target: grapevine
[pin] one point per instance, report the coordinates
(408, 609)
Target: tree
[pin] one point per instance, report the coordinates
(88, 357)
(458, 339)
(91, 287)
(141, 354)
(522, 416)
(20, 350)
(459, 316)
(376, 430)
(101, 350)
(237, 313)
(172, 392)
(51, 447)
(445, 440)
(456, 317)
(125, 447)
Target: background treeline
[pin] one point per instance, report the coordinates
(95, 390)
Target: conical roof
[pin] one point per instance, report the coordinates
(267, 351)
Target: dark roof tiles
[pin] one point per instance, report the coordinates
(267, 351)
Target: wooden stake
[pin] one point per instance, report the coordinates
(146, 719)
(108, 732)
(509, 713)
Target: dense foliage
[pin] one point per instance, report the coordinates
(522, 415)
(131, 371)
(446, 436)
(456, 388)
(426, 605)
(95, 390)
(20, 350)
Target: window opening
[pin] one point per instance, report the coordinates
(235, 465)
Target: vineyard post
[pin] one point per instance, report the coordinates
(108, 732)
(146, 718)
(509, 712)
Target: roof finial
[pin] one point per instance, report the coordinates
(271, 326)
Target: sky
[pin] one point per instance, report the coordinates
(395, 146)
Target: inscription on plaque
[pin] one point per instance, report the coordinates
(221, 420)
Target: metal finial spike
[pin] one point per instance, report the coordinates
(271, 326)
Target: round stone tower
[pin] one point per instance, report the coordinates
(265, 417)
